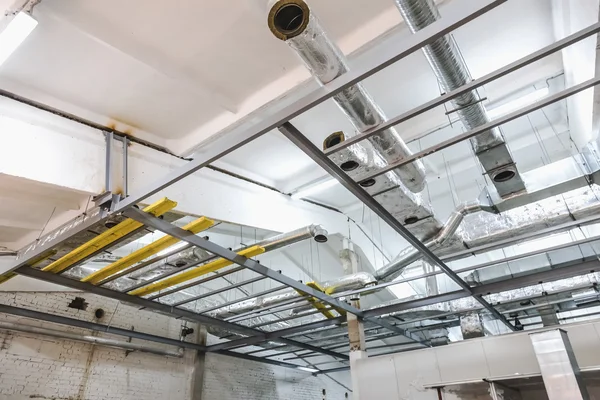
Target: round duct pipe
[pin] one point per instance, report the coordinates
(288, 18)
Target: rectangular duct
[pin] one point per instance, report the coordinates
(558, 365)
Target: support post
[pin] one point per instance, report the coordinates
(197, 381)
(108, 177)
(358, 346)
(558, 365)
(125, 167)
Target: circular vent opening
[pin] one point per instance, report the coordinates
(320, 238)
(349, 165)
(367, 183)
(410, 220)
(504, 176)
(289, 18)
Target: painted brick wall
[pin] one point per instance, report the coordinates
(33, 366)
(233, 379)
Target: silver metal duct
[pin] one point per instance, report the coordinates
(91, 339)
(451, 71)
(348, 282)
(409, 208)
(192, 257)
(410, 254)
(293, 22)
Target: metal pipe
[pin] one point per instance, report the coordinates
(263, 293)
(294, 22)
(451, 71)
(221, 290)
(475, 84)
(546, 101)
(91, 339)
(317, 232)
(57, 319)
(411, 254)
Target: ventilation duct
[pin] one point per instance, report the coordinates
(451, 71)
(293, 22)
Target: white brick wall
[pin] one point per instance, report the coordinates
(33, 366)
(230, 378)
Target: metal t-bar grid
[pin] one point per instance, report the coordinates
(254, 334)
(172, 230)
(253, 265)
(304, 144)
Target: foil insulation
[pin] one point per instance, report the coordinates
(407, 207)
(326, 62)
(193, 257)
(471, 326)
(451, 71)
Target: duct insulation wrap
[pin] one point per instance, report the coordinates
(471, 326)
(451, 71)
(411, 209)
(192, 257)
(326, 62)
(410, 254)
(355, 281)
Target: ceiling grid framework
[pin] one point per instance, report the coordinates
(291, 117)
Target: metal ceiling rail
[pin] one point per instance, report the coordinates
(217, 275)
(57, 319)
(474, 84)
(368, 63)
(485, 127)
(152, 305)
(143, 264)
(450, 313)
(283, 306)
(220, 290)
(565, 271)
(230, 255)
(472, 267)
(304, 144)
(250, 296)
(590, 264)
(243, 342)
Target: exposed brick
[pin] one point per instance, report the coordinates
(33, 366)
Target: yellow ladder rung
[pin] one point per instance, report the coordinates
(161, 244)
(195, 272)
(106, 238)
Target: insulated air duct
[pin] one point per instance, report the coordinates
(293, 22)
(410, 254)
(451, 71)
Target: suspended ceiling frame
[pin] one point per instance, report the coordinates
(278, 117)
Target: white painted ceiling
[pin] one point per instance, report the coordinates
(27, 206)
(175, 73)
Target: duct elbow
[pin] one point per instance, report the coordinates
(319, 234)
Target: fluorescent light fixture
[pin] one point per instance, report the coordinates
(305, 369)
(516, 104)
(314, 188)
(15, 33)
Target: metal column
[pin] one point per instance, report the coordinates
(558, 365)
